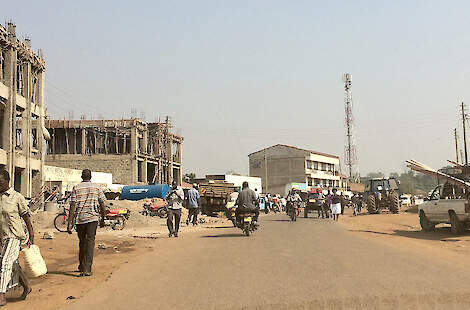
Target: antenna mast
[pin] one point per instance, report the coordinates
(350, 148)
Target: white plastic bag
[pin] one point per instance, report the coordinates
(34, 265)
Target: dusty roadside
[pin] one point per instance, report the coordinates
(403, 231)
(114, 249)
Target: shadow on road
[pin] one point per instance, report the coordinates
(219, 227)
(65, 273)
(224, 236)
(281, 220)
(439, 234)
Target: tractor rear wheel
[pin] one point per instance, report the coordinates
(394, 203)
(371, 206)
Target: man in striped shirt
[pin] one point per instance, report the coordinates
(86, 206)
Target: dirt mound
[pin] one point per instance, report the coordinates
(43, 220)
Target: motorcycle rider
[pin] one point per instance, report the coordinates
(294, 199)
(247, 202)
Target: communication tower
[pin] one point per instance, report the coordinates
(350, 152)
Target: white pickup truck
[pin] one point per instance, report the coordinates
(437, 209)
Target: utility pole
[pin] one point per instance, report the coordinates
(456, 145)
(464, 117)
(266, 171)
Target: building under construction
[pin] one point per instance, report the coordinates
(21, 111)
(134, 151)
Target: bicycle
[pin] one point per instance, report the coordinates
(61, 220)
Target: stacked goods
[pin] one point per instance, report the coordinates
(214, 195)
(216, 188)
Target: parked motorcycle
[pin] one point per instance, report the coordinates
(151, 209)
(246, 224)
(116, 218)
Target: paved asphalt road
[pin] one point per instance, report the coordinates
(308, 264)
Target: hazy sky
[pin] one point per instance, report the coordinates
(237, 76)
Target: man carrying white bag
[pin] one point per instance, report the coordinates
(13, 207)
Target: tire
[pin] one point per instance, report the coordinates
(246, 229)
(305, 212)
(371, 206)
(455, 225)
(60, 222)
(395, 203)
(234, 222)
(120, 223)
(426, 225)
(162, 213)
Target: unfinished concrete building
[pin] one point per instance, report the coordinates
(21, 111)
(134, 151)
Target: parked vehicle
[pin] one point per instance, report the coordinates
(440, 208)
(61, 220)
(382, 193)
(405, 200)
(215, 195)
(154, 209)
(116, 218)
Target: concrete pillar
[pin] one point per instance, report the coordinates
(144, 150)
(180, 160)
(27, 131)
(10, 128)
(40, 128)
(170, 158)
(134, 139)
(84, 141)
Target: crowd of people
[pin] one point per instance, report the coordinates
(87, 212)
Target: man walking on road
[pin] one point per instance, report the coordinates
(87, 209)
(175, 198)
(193, 201)
(13, 208)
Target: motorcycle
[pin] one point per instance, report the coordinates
(246, 224)
(151, 209)
(116, 218)
(293, 209)
(275, 208)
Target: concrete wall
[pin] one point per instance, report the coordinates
(70, 177)
(120, 166)
(284, 165)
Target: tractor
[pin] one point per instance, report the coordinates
(382, 193)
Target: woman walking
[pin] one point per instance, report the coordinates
(335, 205)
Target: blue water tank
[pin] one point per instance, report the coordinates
(139, 192)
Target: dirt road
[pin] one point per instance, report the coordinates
(310, 264)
